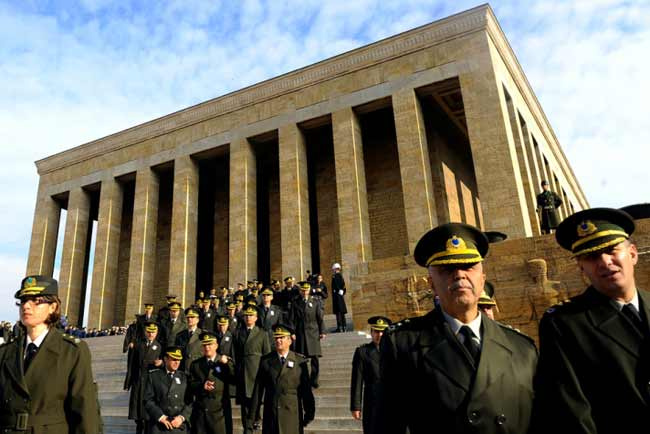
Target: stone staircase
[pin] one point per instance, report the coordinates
(332, 397)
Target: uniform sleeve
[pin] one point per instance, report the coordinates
(150, 404)
(356, 382)
(558, 393)
(319, 318)
(187, 398)
(391, 401)
(256, 398)
(306, 395)
(558, 200)
(195, 379)
(82, 410)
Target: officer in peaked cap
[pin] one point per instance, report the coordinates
(486, 302)
(638, 211)
(46, 382)
(454, 366)
(365, 383)
(593, 371)
(167, 402)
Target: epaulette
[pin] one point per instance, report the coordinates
(404, 324)
(516, 331)
(558, 306)
(72, 339)
(151, 371)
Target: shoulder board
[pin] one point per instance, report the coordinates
(151, 371)
(560, 305)
(405, 324)
(72, 339)
(514, 330)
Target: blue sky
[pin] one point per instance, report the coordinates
(74, 71)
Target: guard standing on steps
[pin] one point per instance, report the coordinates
(547, 204)
(166, 398)
(338, 301)
(365, 384)
(455, 367)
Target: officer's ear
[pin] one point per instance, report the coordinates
(633, 252)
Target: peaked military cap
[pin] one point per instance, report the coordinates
(489, 288)
(170, 297)
(191, 313)
(267, 291)
(379, 323)
(594, 229)
(33, 286)
(638, 211)
(495, 237)
(304, 285)
(174, 305)
(174, 352)
(280, 330)
(451, 243)
(487, 295)
(249, 310)
(231, 306)
(251, 300)
(207, 338)
(223, 319)
(148, 305)
(151, 326)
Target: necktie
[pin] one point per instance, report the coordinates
(171, 376)
(629, 310)
(30, 353)
(470, 344)
(283, 359)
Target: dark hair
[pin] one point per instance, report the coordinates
(55, 316)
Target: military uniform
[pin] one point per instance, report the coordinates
(169, 328)
(167, 394)
(191, 345)
(547, 203)
(285, 389)
(227, 348)
(306, 317)
(144, 356)
(212, 413)
(593, 374)
(57, 395)
(339, 307)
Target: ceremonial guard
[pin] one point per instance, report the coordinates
(547, 204)
(168, 401)
(454, 369)
(251, 343)
(306, 318)
(338, 298)
(46, 380)
(365, 385)
(146, 357)
(282, 384)
(173, 325)
(209, 379)
(593, 374)
(188, 339)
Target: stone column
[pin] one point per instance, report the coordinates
(415, 166)
(496, 167)
(294, 202)
(45, 231)
(182, 266)
(74, 254)
(354, 225)
(107, 243)
(142, 261)
(242, 257)
(524, 166)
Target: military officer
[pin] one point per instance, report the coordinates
(167, 399)
(547, 204)
(454, 367)
(283, 384)
(163, 312)
(225, 346)
(141, 322)
(594, 366)
(269, 314)
(146, 357)
(188, 339)
(365, 384)
(318, 288)
(233, 320)
(306, 318)
(486, 302)
(251, 344)
(209, 379)
(46, 381)
(173, 325)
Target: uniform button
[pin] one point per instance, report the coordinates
(500, 419)
(473, 417)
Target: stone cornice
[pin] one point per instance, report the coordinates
(360, 58)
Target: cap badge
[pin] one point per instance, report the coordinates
(380, 322)
(586, 228)
(30, 282)
(456, 243)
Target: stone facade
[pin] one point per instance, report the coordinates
(348, 160)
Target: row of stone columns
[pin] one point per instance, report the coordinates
(494, 160)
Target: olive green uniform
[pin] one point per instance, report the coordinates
(167, 395)
(212, 412)
(56, 395)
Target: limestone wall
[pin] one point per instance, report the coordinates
(529, 274)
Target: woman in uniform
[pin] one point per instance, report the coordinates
(46, 381)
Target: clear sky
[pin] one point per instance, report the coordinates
(74, 71)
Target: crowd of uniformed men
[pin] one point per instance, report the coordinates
(453, 370)
(256, 343)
